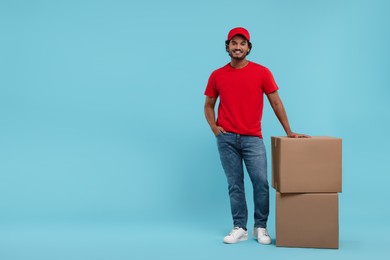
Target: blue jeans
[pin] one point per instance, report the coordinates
(234, 149)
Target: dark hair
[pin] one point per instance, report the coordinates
(227, 46)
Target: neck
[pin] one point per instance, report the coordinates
(238, 64)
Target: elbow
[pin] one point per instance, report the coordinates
(208, 108)
(276, 105)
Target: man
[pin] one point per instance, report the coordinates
(240, 86)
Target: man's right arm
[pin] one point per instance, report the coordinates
(209, 112)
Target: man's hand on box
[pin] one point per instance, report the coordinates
(295, 135)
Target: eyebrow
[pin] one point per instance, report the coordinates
(243, 41)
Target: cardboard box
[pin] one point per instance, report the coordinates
(307, 220)
(304, 165)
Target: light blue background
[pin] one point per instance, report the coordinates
(104, 149)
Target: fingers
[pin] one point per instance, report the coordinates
(221, 129)
(295, 135)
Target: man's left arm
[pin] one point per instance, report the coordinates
(280, 112)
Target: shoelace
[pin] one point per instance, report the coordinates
(264, 232)
(232, 232)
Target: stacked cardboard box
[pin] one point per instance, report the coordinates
(306, 173)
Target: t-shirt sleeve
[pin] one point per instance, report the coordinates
(211, 88)
(269, 84)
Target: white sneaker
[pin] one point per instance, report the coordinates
(262, 236)
(237, 235)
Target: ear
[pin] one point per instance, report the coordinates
(227, 45)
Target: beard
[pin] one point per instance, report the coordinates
(238, 57)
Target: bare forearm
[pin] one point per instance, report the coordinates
(281, 114)
(210, 116)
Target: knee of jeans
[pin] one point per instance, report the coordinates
(260, 181)
(261, 186)
(260, 178)
(236, 188)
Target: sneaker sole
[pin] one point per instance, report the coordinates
(263, 243)
(238, 240)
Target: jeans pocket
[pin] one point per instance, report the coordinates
(219, 134)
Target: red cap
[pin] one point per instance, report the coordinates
(238, 30)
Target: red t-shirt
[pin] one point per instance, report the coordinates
(241, 96)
